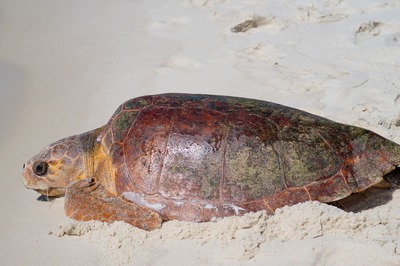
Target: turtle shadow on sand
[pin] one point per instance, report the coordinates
(372, 197)
(358, 202)
(46, 198)
(368, 199)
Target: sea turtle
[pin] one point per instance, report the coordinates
(199, 157)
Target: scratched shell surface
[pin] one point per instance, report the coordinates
(203, 151)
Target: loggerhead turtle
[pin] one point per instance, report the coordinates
(196, 157)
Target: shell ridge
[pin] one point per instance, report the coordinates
(345, 181)
(123, 147)
(277, 147)
(327, 143)
(165, 150)
(343, 163)
(274, 149)
(135, 120)
(223, 165)
(280, 165)
(272, 121)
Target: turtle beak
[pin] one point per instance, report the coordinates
(52, 192)
(26, 176)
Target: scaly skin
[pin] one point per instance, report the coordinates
(196, 157)
(65, 164)
(86, 200)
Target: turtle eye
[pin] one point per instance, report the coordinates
(40, 168)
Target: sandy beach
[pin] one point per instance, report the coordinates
(65, 66)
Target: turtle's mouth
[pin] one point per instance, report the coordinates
(393, 177)
(51, 192)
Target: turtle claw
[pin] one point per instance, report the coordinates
(92, 185)
(86, 185)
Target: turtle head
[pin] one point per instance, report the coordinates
(56, 166)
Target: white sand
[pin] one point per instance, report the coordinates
(65, 66)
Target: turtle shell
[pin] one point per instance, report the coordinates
(195, 157)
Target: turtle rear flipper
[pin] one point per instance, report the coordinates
(86, 200)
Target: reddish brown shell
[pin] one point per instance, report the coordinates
(194, 157)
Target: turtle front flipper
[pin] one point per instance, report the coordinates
(87, 200)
